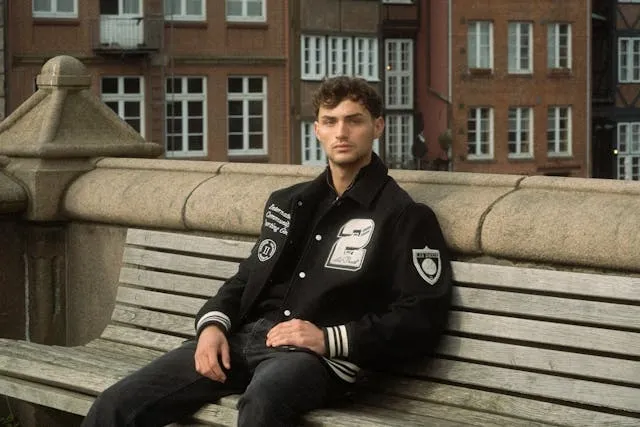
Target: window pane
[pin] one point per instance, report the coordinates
(174, 109)
(174, 85)
(194, 86)
(254, 7)
(194, 108)
(234, 8)
(174, 143)
(255, 108)
(255, 85)
(108, 7)
(255, 141)
(255, 124)
(195, 126)
(113, 106)
(194, 7)
(196, 143)
(132, 85)
(235, 125)
(235, 142)
(235, 108)
(42, 5)
(174, 125)
(132, 109)
(171, 7)
(109, 85)
(65, 5)
(134, 123)
(131, 7)
(234, 85)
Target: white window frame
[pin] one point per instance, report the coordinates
(121, 98)
(403, 1)
(629, 54)
(628, 151)
(554, 46)
(475, 146)
(340, 56)
(53, 12)
(365, 58)
(245, 97)
(313, 57)
(480, 51)
(183, 15)
(311, 151)
(523, 125)
(398, 88)
(398, 139)
(244, 17)
(518, 30)
(184, 98)
(554, 139)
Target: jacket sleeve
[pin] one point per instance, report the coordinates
(420, 276)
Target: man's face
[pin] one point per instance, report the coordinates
(347, 133)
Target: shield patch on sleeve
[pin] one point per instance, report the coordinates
(427, 262)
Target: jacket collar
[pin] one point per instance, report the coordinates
(365, 187)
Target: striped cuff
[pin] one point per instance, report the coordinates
(214, 316)
(336, 341)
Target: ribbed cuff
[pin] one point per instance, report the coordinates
(336, 341)
(216, 317)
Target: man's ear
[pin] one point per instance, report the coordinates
(378, 126)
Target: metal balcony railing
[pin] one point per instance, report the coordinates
(115, 34)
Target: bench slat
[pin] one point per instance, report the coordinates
(535, 384)
(189, 243)
(170, 282)
(159, 300)
(117, 348)
(140, 317)
(180, 263)
(482, 400)
(140, 338)
(546, 307)
(552, 361)
(579, 284)
(535, 331)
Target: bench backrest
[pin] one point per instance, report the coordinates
(561, 345)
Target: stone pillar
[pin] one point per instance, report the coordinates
(49, 141)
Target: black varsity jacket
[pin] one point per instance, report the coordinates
(374, 274)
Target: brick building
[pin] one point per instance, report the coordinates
(205, 78)
(520, 77)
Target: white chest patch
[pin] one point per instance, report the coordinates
(428, 264)
(266, 250)
(349, 250)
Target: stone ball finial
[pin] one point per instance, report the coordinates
(64, 71)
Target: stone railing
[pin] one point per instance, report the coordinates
(87, 183)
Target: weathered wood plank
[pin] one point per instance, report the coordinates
(533, 384)
(189, 243)
(170, 282)
(551, 361)
(158, 300)
(206, 267)
(601, 314)
(535, 331)
(589, 285)
(144, 339)
(139, 317)
(495, 403)
(117, 348)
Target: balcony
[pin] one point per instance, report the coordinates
(113, 34)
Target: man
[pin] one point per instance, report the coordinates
(348, 273)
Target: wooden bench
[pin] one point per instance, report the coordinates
(525, 346)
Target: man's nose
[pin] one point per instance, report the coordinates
(343, 129)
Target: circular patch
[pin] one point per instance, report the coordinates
(266, 250)
(429, 266)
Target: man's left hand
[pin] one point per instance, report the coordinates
(299, 333)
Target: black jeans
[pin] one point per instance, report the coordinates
(278, 385)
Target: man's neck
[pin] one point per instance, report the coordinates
(342, 178)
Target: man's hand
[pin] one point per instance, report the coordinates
(212, 349)
(300, 333)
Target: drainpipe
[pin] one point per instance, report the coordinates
(589, 95)
(450, 82)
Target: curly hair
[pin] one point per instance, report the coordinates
(334, 90)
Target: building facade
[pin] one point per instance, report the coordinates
(204, 78)
(521, 84)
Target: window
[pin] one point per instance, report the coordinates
(398, 141)
(346, 55)
(559, 46)
(520, 48)
(366, 58)
(125, 96)
(247, 115)
(340, 56)
(185, 10)
(559, 131)
(312, 152)
(246, 10)
(480, 133)
(629, 151)
(629, 60)
(399, 73)
(480, 45)
(186, 120)
(520, 132)
(313, 54)
(55, 8)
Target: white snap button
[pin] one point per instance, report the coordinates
(287, 312)
(299, 202)
(318, 237)
(302, 275)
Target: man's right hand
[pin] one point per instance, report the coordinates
(212, 349)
